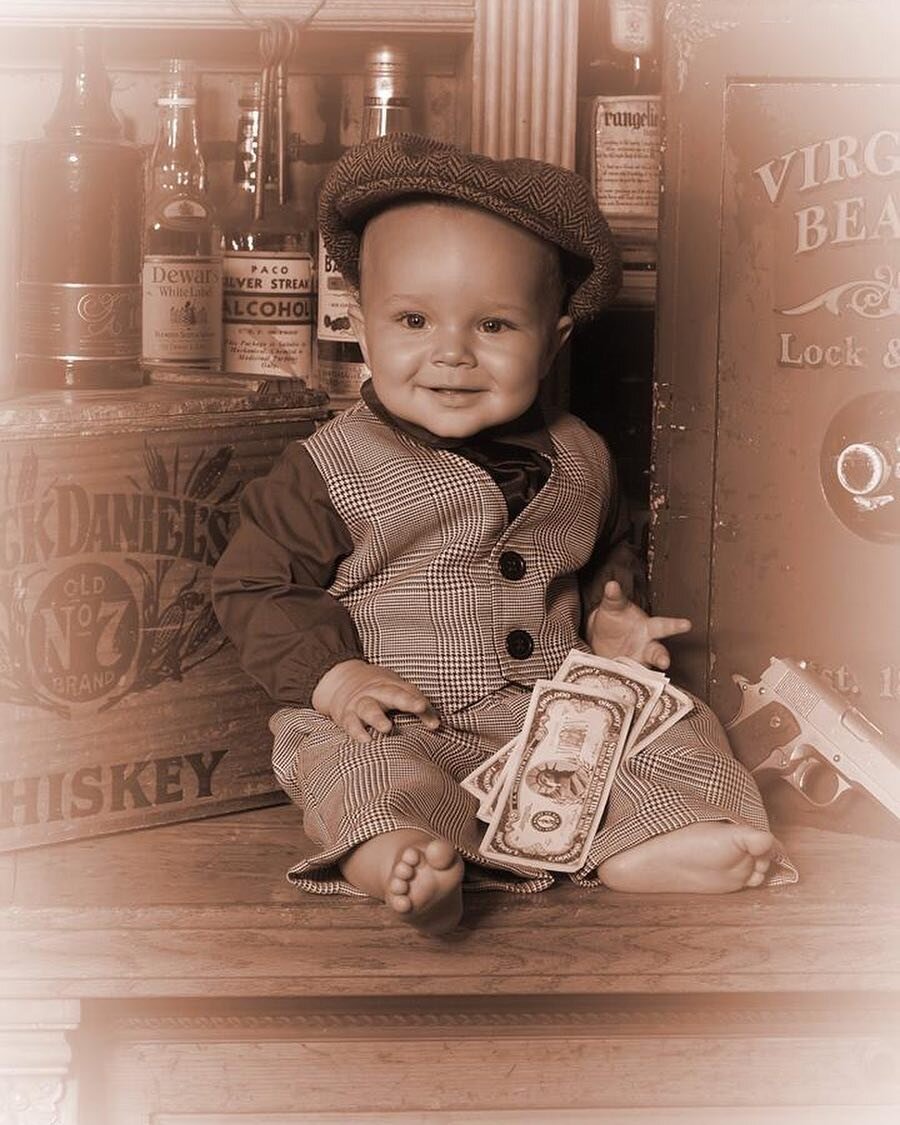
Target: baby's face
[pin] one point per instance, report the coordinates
(460, 316)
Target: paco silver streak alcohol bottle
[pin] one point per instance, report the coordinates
(340, 367)
(78, 294)
(268, 266)
(182, 268)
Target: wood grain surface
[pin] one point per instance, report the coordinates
(204, 909)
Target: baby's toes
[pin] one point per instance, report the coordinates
(401, 903)
(398, 885)
(440, 854)
(755, 841)
(411, 856)
(760, 869)
(403, 870)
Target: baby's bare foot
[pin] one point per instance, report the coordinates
(712, 857)
(425, 887)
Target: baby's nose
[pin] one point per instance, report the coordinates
(452, 347)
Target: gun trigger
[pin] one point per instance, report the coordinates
(777, 760)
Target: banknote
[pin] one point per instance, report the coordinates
(557, 782)
(672, 705)
(631, 684)
(481, 781)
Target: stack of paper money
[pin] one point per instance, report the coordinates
(543, 793)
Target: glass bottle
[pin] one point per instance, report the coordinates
(182, 265)
(340, 367)
(78, 299)
(268, 286)
(622, 41)
(620, 117)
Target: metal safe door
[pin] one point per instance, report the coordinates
(806, 511)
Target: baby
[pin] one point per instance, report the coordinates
(401, 578)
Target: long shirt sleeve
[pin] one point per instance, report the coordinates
(614, 557)
(270, 587)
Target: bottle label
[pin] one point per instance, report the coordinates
(333, 322)
(182, 310)
(78, 322)
(183, 212)
(625, 157)
(267, 313)
(631, 26)
(341, 380)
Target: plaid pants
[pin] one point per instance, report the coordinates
(351, 791)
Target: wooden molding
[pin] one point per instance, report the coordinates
(31, 1101)
(499, 1016)
(524, 79)
(335, 15)
(35, 1057)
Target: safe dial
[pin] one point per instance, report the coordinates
(862, 469)
(859, 465)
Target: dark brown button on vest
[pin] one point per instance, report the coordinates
(512, 565)
(519, 644)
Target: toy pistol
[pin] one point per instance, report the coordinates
(795, 723)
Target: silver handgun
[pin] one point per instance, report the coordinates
(793, 722)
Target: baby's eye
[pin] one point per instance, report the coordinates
(494, 325)
(412, 320)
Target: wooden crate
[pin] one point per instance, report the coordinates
(121, 703)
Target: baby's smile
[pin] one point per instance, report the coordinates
(450, 395)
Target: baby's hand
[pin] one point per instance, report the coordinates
(618, 627)
(357, 696)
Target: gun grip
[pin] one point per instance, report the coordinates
(753, 739)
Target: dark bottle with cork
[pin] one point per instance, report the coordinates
(78, 300)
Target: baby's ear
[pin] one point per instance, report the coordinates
(359, 324)
(564, 327)
(562, 330)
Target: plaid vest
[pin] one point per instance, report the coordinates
(442, 589)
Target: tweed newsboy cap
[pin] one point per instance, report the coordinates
(552, 202)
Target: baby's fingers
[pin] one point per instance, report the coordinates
(371, 711)
(668, 626)
(352, 724)
(404, 697)
(613, 597)
(656, 656)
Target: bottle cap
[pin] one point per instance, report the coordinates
(249, 97)
(177, 83)
(387, 72)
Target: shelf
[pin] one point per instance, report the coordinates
(335, 15)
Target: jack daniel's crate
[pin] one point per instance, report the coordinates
(121, 703)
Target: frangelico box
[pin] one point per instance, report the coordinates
(121, 703)
(623, 158)
(620, 142)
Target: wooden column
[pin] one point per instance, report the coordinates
(36, 1087)
(524, 66)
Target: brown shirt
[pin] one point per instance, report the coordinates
(270, 588)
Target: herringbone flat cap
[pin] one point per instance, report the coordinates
(551, 202)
